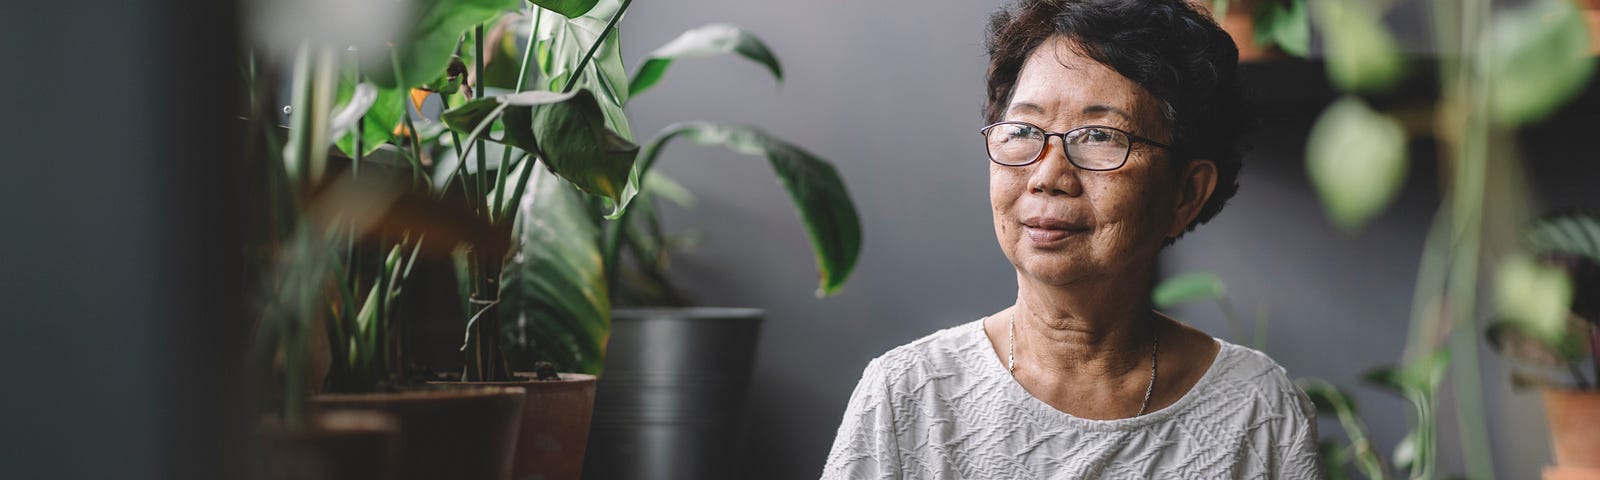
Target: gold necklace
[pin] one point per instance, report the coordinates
(1155, 355)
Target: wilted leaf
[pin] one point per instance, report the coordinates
(814, 187)
(1356, 158)
(1362, 56)
(714, 39)
(1187, 288)
(1539, 59)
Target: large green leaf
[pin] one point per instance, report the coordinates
(1356, 158)
(813, 184)
(1188, 287)
(576, 144)
(1539, 59)
(515, 109)
(1362, 56)
(424, 49)
(713, 39)
(567, 130)
(555, 290)
(563, 42)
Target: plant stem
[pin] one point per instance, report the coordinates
(572, 81)
(505, 159)
(478, 89)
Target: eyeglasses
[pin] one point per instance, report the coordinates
(1091, 147)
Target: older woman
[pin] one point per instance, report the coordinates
(1114, 128)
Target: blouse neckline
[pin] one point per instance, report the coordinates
(995, 368)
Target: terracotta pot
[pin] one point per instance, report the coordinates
(337, 445)
(555, 425)
(1562, 473)
(454, 433)
(1574, 427)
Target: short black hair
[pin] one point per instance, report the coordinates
(1174, 51)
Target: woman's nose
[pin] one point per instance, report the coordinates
(1053, 174)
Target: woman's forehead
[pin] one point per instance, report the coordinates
(1057, 81)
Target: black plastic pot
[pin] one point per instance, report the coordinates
(671, 402)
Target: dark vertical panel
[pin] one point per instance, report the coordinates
(121, 322)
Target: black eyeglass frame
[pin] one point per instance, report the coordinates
(1047, 134)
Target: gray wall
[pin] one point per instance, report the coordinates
(890, 91)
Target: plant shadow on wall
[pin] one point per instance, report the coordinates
(1502, 69)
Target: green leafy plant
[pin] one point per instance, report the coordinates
(1483, 100)
(1549, 304)
(566, 321)
(453, 197)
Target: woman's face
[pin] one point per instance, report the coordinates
(1059, 224)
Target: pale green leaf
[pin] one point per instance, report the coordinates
(1539, 59)
(1535, 296)
(1362, 56)
(1356, 159)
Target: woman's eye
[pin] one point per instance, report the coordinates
(1022, 132)
(1095, 135)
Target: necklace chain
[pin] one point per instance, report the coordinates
(1155, 355)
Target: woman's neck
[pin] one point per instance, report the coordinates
(1085, 331)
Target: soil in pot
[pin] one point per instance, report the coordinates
(447, 433)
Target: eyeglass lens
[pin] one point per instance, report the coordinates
(1091, 148)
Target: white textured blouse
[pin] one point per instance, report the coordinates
(944, 407)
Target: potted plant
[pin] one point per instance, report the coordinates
(358, 226)
(366, 347)
(561, 288)
(1550, 323)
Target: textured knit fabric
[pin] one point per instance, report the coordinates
(944, 407)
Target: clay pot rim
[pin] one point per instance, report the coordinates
(425, 394)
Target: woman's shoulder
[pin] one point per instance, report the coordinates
(1246, 370)
(942, 352)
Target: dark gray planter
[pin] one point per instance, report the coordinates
(671, 401)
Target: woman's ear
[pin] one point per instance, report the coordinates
(1195, 185)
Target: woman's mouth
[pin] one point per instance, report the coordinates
(1043, 231)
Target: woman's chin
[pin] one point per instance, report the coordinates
(1053, 271)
